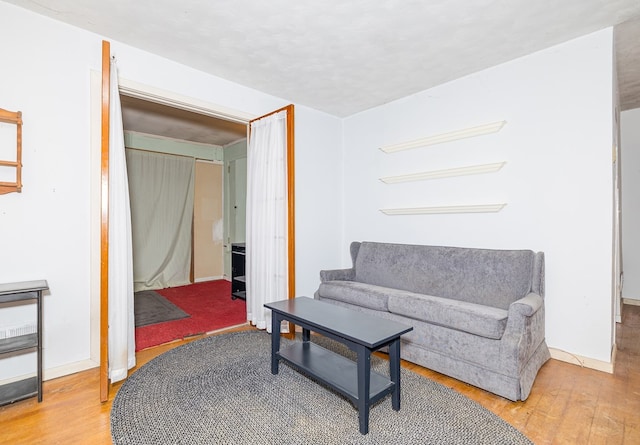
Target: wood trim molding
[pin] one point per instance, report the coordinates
(631, 301)
(584, 362)
(291, 199)
(104, 223)
(291, 211)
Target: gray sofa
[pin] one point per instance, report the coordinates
(477, 314)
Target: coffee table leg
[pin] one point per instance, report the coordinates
(275, 341)
(364, 382)
(394, 371)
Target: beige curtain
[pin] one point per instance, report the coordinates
(121, 314)
(161, 189)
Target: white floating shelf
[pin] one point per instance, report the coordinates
(448, 173)
(482, 208)
(480, 130)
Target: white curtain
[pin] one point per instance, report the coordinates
(266, 246)
(162, 213)
(121, 316)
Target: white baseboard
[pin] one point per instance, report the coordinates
(584, 362)
(631, 301)
(54, 373)
(203, 279)
(71, 368)
(16, 378)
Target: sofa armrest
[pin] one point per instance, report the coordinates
(337, 275)
(526, 306)
(524, 332)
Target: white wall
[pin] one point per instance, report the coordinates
(557, 182)
(319, 188)
(630, 164)
(45, 231)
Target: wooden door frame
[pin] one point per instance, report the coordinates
(104, 221)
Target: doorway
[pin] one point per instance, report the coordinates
(219, 146)
(131, 89)
(176, 186)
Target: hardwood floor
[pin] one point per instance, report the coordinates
(568, 404)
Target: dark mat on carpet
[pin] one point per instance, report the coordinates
(150, 308)
(220, 390)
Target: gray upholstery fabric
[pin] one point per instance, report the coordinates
(338, 274)
(489, 277)
(477, 319)
(472, 359)
(361, 294)
(538, 275)
(487, 333)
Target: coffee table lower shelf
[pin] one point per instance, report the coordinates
(334, 370)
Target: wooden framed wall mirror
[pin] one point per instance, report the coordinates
(10, 151)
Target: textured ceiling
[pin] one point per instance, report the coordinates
(345, 56)
(627, 43)
(160, 120)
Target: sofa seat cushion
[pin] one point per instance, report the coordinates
(486, 321)
(359, 294)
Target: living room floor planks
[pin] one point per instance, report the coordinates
(568, 404)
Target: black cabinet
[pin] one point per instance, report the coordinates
(11, 293)
(238, 286)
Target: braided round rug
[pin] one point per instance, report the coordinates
(220, 390)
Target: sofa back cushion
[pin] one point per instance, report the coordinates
(482, 276)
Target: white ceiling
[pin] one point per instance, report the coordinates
(345, 56)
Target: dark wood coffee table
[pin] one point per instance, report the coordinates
(362, 333)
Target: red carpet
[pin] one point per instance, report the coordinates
(210, 306)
